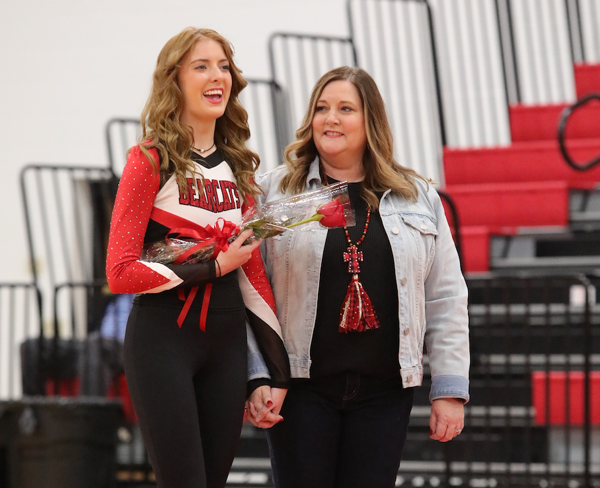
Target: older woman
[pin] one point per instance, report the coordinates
(357, 305)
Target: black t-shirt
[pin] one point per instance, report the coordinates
(371, 352)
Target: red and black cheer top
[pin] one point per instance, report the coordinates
(145, 213)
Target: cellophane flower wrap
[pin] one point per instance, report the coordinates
(328, 206)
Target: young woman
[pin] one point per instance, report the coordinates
(185, 344)
(357, 305)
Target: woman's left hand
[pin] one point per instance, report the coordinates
(264, 405)
(447, 419)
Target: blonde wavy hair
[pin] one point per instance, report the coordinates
(162, 129)
(382, 172)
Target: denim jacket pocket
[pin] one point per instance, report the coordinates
(420, 222)
(426, 229)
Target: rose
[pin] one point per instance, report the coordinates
(330, 214)
(200, 245)
(333, 213)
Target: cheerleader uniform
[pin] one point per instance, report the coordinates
(185, 344)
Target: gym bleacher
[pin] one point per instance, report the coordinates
(515, 154)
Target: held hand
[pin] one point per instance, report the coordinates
(278, 396)
(447, 419)
(262, 405)
(236, 254)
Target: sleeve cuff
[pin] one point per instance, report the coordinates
(256, 367)
(256, 364)
(449, 386)
(254, 384)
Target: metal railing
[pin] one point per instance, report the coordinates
(472, 80)
(20, 321)
(454, 221)
(562, 128)
(67, 217)
(120, 134)
(537, 50)
(534, 417)
(86, 360)
(535, 352)
(584, 18)
(263, 99)
(396, 43)
(297, 61)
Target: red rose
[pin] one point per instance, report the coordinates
(333, 214)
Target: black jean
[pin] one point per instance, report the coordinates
(346, 431)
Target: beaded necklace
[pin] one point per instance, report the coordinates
(353, 255)
(357, 313)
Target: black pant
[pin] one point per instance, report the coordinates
(346, 431)
(188, 388)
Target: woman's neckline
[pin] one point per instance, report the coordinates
(331, 179)
(207, 154)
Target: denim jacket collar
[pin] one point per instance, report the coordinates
(314, 172)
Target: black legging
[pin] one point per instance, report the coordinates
(188, 389)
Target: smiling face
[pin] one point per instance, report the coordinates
(338, 124)
(205, 82)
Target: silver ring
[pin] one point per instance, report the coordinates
(458, 431)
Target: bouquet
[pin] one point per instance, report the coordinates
(328, 206)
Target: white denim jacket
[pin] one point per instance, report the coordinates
(432, 294)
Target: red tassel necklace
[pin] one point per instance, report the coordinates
(357, 313)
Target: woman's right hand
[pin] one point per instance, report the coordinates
(264, 406)
(237, 254)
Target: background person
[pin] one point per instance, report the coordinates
(357, 305)
(185, 344)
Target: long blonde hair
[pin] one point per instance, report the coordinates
(162, 129)
(382, 172)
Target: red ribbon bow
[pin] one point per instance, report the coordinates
(217, 236)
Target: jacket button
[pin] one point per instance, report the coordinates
(423, 226)
(403, 281)
(409, 379)
(407, 331)
(395, 230)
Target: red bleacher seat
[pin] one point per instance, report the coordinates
(566, 394)
(526, 183)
